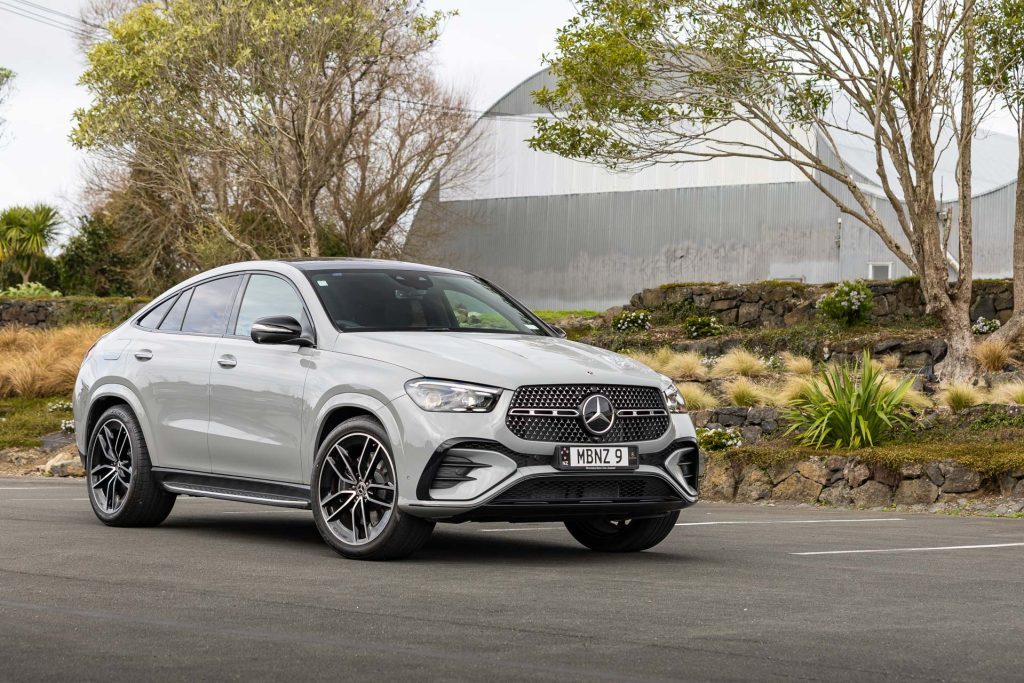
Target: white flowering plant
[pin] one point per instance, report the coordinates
(848, 302)
(67, 426)
(985, 326)
(719, 438)
(700, 326)
(59, 406)
(632, 321)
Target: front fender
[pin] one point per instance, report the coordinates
(382, 411)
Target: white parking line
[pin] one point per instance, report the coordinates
(729, 522)
(912, 550)
(796, 521)
(33, 488)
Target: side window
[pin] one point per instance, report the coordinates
(473, 313)
(156, 314)
(173, 320)
(210, 306)
(266, 295)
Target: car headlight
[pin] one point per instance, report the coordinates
(673, 399)
(438, 396)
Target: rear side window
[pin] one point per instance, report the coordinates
(210, 307)
(156, 314)
(173, 320)
(266, 295)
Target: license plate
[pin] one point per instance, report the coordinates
(596, 458)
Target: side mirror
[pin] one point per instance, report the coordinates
(279, 329)
(559, 332)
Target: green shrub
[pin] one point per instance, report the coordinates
(29, 290)
(701, 326)
(719, 439)
(848, 407)
(632, 321)
(848, 303)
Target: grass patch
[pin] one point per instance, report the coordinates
(24, 421)
(38, 363)
(554, 316)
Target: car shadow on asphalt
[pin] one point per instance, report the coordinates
(449, 544)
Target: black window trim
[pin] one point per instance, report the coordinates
(234, 296)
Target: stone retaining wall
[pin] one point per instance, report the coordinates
(847, 481)
(67, 311)
(778, 304)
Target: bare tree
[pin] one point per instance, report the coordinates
(318, 115)
(662, 81)
(6, 77)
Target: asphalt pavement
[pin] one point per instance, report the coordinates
(226, 591)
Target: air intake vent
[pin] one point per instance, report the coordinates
(454, 470)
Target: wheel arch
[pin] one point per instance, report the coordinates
(343, 407)
(110, 395)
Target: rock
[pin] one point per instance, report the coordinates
(1018, 490)
(732, 417)
(916, 492)
(748, 313)
(886, 475)
(755, 485)
(934, 473)
(920, 359)
(56, 441)
(872, 494)
(885, 346)
(779, 472)
(750, 434)
(701, 418)
(912, 470)
(797, 488)
(959, 479)
(653, 298)
(1006, 485)
(837, 495)
(719, 481)
(814, 470)
(836, 462)
(856, 473)
(984, 307)
(63, 465)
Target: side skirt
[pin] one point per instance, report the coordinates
(239, 489)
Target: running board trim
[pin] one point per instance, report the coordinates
(241, 489)
(240, 496)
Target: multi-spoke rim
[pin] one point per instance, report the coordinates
(357, 488)
(110, 472)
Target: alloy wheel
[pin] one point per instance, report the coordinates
(357, 488)
(111, 465)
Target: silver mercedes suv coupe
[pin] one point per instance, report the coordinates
(385, 397)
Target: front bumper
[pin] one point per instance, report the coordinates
(500, 465)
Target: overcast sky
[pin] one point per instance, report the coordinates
(489, 48)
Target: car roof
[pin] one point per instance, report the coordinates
(320, 263)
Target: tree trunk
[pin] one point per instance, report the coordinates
(959, 364)
(1014, 327)
(25, 275)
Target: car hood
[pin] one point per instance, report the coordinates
(501, 360)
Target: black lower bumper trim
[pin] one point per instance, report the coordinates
(558, 512)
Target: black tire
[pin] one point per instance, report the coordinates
(622, 536)
(398, 534)
(139, 502)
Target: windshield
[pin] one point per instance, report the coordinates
(415, 301)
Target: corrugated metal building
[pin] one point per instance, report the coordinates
(564, 234)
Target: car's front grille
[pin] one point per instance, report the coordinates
(550, 412)
(589, 489)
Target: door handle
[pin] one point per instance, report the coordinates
(143, 354)
(227, 361)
